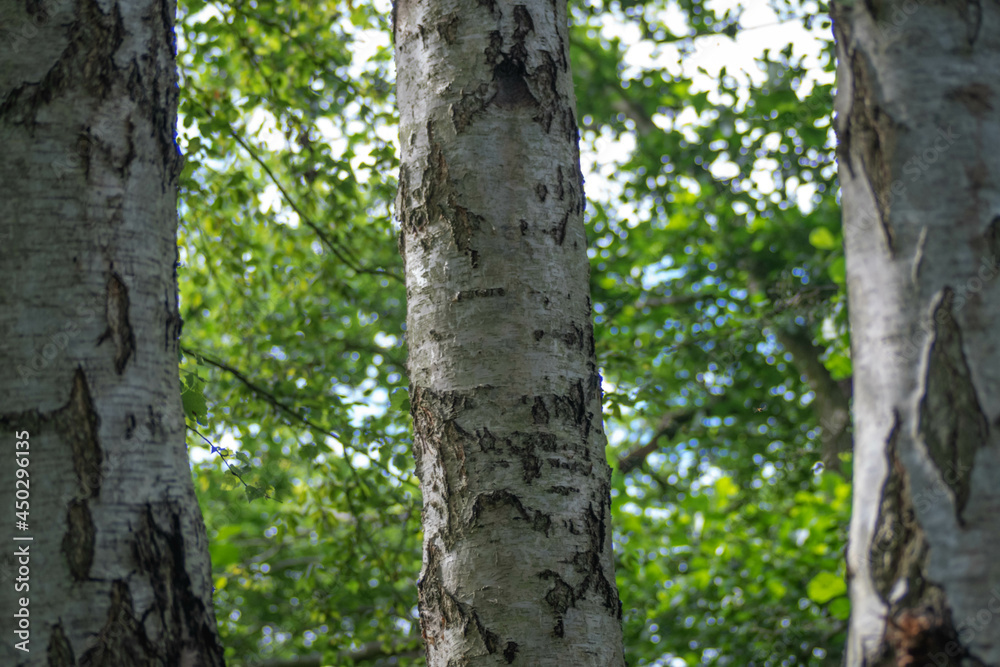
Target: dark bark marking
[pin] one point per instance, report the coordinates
(560, 191)
(546, 442)
(898, 548)
(573, 338)
(539, 413)
(433, 416)
(122, 641)
(495, 501)
(463, 224)
(433, 192)
(559, 598)
(975, 97)
(481, 293)
(510, 652)
(511, 88)
(919, 627)
(992, 237)
(437, 197)
(524, 446)
(469, 106)
(524, 227)
(873, 139)
(431, 594)
(78, 541)
(59, 652)
(576, 467)
(493, 51)
(491, 640)
(572, 407)
(186, 627)
(522, 23)
(559, 231)
(581, 202)
(541, 191)
(952, 422)
(119, 330)
(588, 563)
(37, 10)
(564, 490)
(87, 61)
(78, 423)
(174, 323)
(487, 441)
(448, 28)
(538, 334)
(972, 14)
(925, 636)
(446, 609)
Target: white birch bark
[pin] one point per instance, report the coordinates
(118, 567)
(918, 119)
(505, 391)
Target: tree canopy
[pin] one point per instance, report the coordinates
(718, 289)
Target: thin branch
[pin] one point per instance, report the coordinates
(341, 252)
(222, 454)
(670, 424)
(277, 404)
(260, 391)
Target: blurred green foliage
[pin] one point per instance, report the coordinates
(728, 534)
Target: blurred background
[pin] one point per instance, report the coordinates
(717, 276)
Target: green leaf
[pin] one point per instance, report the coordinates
(822, 238)
(255, 492)
(838, 271)
(193, 396)
(840, 608)
(223, 554)
(825, 586)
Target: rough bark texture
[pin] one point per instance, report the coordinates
(119, 572)
(505, 392)
(918, 120)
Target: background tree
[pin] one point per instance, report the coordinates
(917, 112)
(119, 570)
(504, 388)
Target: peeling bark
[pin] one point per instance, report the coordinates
(919, 140)
(119, 571)
(505, 393)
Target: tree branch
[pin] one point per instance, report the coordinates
(832, 401)
(670, 424)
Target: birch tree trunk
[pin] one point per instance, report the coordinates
(918, 120)
(116, 569)
(505, 392)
